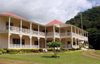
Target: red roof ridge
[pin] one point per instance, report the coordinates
(55, 22)
(6, 13)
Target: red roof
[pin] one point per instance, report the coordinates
(6, 13)
(55, 22)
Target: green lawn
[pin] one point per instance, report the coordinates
(68, 58)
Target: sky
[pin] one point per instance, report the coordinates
(45, 11)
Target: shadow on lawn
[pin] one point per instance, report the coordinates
(49, 57)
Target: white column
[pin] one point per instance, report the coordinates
(38, 42)
(38, 36)
(30, 28)
(20, 41)
(20, 33)
(59, 31)
(30, 41)
(75, 41)
(45, 38)
(30, 34)
(8, 40)
(59, 34)
(38, 29)
(9, 33)
(21, 26)
(45, 42)
(54, 33)
(71, 37)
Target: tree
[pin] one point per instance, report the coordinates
(54, 45)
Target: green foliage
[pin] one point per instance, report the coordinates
(54, 44)
(35, 50)
(91, 23)
(2, 50)
(41, 49)
(50, 49)
(16, 51)
(13, 51)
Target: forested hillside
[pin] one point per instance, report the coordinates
(91, 23)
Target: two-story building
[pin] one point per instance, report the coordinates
(17, 32)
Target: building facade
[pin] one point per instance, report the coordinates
(17, 32)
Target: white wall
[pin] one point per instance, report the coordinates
(3, 40)
(3, 24)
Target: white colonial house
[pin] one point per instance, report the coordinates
(17, 33)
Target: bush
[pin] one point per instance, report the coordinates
(13, 51)
(16, 51)
(50, 49)
(26, 50)
(3, 51)
(55, 56)
(0, 52)
(41, 49)
(35, 50)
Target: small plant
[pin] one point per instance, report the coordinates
(54, 45)
(41, 49)
(50, 49)
(35, 50)
(13, 51)
(0, 52)
(3, 51)
(57, 56)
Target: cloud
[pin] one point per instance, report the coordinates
(44, 11)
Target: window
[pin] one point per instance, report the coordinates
(35, 29)
(17, 41)
(36, 43)
(68, 30)
(68, 42)
(49, 41)
(7, 24)
(23, 42)
(25, 27)
(73, 43)
(43, 30)
(57, 31)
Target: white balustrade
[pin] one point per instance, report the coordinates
(14, 29)
(25, 30)
(41, 33)
(75, 46)
(35, 32)
(66, 34)
(23, 46)
(57, 34)
(50, 34)
(14, 46)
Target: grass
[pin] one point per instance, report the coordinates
(65, 58)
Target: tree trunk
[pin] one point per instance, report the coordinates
(55, 54)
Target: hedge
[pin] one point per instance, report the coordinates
(3, 50)
(15, 51)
